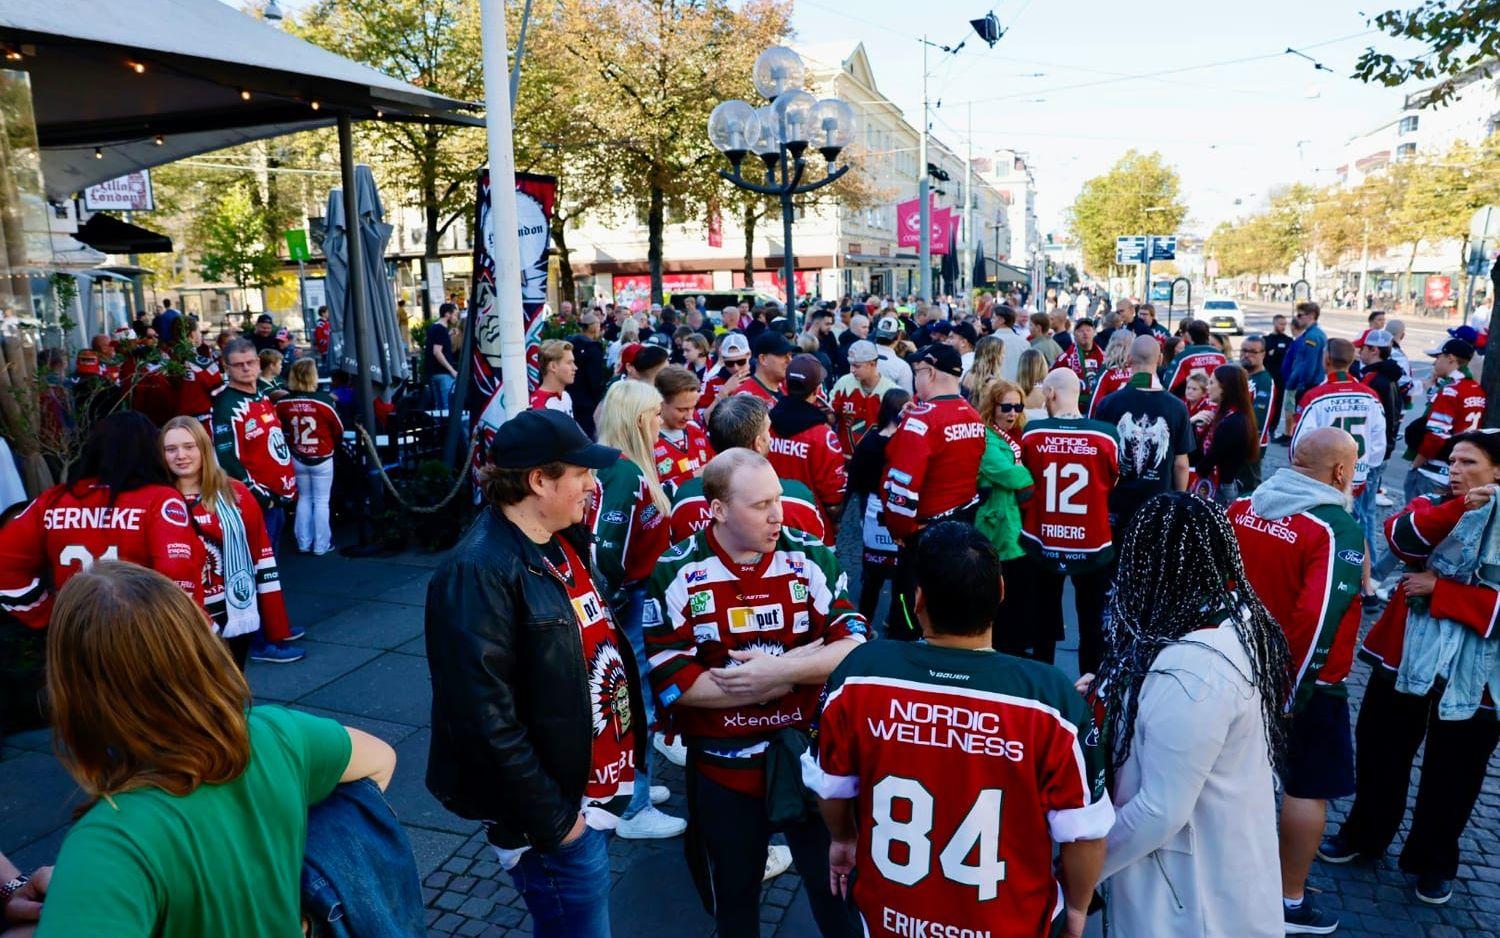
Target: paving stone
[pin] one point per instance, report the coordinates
(448, 923)
(476, 908)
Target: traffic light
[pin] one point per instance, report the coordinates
(988, 28)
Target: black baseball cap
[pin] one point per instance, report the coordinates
(944, 358)
(967, 330)
(772, 342)
(1458, 348)
(941, 327)
(536, 437)
(804, 375)
(1085, 321)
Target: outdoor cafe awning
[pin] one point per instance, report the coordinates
(1006, 273)
(112, 236)
(199, 74)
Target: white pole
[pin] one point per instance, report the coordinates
(966, 275)
(503, 237)
(924, 210)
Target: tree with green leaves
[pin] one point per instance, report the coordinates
(233, 242)
(1457, 35)
(1140, 194)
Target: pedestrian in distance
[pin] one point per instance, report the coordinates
(155, 724)
(547, 769)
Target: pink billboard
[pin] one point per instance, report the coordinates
(909, 225)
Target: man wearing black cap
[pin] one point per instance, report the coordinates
(803, 445)
(773, 353)
(963, 338)
(1457, 407)
(932, 463)
(514, 744)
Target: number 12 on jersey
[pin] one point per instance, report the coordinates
(1060, 500)
(980, 828)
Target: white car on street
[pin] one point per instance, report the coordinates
(1223, 314)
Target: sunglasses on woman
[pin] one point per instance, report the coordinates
(1011, 408)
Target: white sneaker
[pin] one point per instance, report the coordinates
(660, 793)
(650, 824)
(1384, 500)
(778, 861)
(674, 752)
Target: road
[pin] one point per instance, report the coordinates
(1421, 333)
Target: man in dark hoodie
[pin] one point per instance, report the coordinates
(804, 445)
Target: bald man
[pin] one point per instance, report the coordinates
(1074, 463)
(1304, 556)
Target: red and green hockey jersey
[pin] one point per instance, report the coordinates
(1075, 462)
(264, 578)
(70, 526)
(1306, 568)
(1110, 381)
(1086, 365)
(1457, 407)
(1204, 358)
(1413, 534)
(251, 445)
(1265, 400)
(856, 410)
(690, 509)
(629, 531)
(966, 766)
(312, 420)
(813, 457)
(701, 605)
(932, 464)
(680, 460)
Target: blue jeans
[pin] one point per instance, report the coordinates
(634, 629)
(567, 889)
(442, 390)
(1365, 511)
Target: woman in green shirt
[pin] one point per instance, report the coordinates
(199, 805)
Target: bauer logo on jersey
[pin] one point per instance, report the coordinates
(174, 512)
(744, 619)
(587, 608)
(701, 603)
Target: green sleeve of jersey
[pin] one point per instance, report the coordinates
(617, 491)
(225, 444)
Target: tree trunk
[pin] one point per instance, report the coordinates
(655, 222)
(566, 287)
(749, 224)
(1411, 260)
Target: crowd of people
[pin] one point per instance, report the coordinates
(660, 530)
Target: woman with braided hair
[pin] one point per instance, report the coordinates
(1194, 676)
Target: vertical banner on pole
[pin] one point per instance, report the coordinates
(534, 197)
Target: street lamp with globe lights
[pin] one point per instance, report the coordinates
(780, 134)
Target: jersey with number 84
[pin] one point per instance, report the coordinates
(967, 766)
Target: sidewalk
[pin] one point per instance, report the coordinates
(365, 667)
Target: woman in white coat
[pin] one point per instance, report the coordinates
(1193, 676)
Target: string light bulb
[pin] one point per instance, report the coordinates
(98, 153)
(244, 95)
(316, 105)
(160, 140)
(138, 67)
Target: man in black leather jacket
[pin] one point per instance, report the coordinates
(536, 707)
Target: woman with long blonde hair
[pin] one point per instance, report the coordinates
(1031, 370)
(198, 818)
(1116, 372)
(630, 534)
(314, 430)
(989, 358)
(241, 587)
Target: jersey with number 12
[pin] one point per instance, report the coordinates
(966, 767)
(1074, 463)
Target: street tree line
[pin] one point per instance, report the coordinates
(1428, 199)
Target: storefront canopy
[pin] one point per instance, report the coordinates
(1005, 273)
(109, 79)
(112, 236)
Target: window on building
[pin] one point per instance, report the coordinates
(1406, 151)
(1408, 124)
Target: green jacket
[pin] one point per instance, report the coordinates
(1001, 478)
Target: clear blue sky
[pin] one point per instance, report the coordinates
(1231, 130)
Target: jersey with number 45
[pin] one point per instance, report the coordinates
(966, 766)
(1352, 407)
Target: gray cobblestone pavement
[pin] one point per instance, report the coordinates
(365, 667)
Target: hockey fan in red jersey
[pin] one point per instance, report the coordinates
(804, 447)
(1083, 357)
(681, 449)
(744, 622)
(121, 506)
(773, 353)
(933, 459)
(857, 395)
(1457, 407)
(1198, 356)
(948, 772)
(557, 369)
(1065, 528)
(248, 436)
(733, 370)
(741, 421)
(1406, 702)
